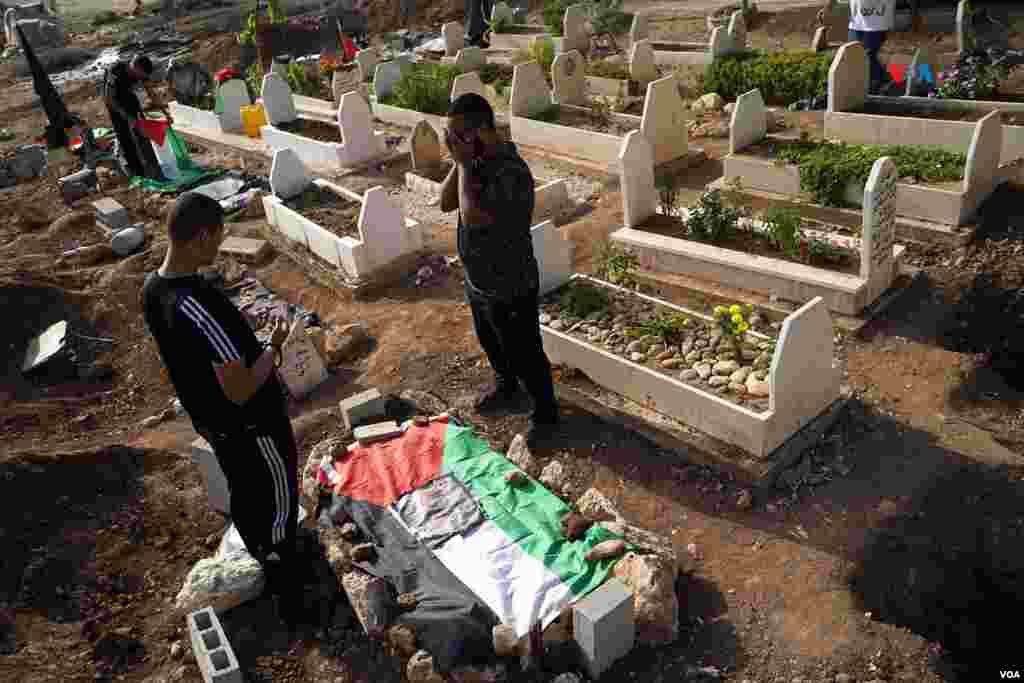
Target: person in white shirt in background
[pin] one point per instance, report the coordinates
(870, 22)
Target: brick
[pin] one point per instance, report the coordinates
(604, 626)
(362, 408)
(212, 650)
(381, 431)
(245, 248)
(213, 476)
(110, 213)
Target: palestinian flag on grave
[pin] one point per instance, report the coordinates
(436, 503)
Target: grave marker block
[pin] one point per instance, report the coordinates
(367, 60)
(468, 83)
(363, 408)
(641, 63)
(356, 124)
(879, 227)
(636, 173)
(982, 168)
(530, 93)
(425, 146)
(749, 121)
(664, 120)
(804, 350)
(604, 626)
(288, 175)
(569, 79)
(820, 41)
(638, 30)
(848, 78)
(574, 30)
(470, 58)
(277, 100)
(235, 95)
(554, 256)
(454, 37)
(385, 77)
(111, 213)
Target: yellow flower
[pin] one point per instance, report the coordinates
(720, 311)
(737, 318)
(735, 309)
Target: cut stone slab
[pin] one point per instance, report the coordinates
(381, 431)
(569, 79)
(639, 29)
(468, 83)
(246, 249)
(277, 100)
(288, 175)
(749, 121)
(604, 626)
(454, 38)
(234, 95)
(45, 346)
(425, 146)
(302, 368)
(362, 408)
(111, 213)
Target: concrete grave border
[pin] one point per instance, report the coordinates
(642, 71)
(842, 293)
(917, 202)
(664, 121)
(803, 381)
(230, 121)
(847, 94)
(723, 42)
(574, 31)
(385, 235)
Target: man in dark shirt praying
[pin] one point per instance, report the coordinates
(493, 190)
(226, 381)
(126, 111)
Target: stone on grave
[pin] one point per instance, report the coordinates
(604, 626)
(641, 63)
(638, 30)
(982, 167)
(424, 147)
(454, 38)
(468, 83)
(574, 29)
(664, 122)
(362, 408)
(820, 41)
(128, 240)
(749, 121)
(277, 100)
(879, 226)
(530, 93)
(381, 431)
(569, 79)
(356, 125)
(470, 59)
(385, 77)
(111, 214)
(288, 175)
(245, 249)
(636, 173)
(234, 94)
(221, 583)
(848, 78)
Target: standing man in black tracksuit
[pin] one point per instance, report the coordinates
(125, 111)
(226, 382)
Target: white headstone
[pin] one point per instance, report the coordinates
(386, 76)
(805, 349)
(664, 121)
(467, 83)
(502, 13)
(964, 27)
(749, 121)
(554, 256)
(277, 100)
(737, 31)
(454, 38)
(235, 95)
(820, 41)
(982, 167)
(530, 93)
(638, 31)
(641, 63)
(636, 173)
(574, 29)
(367, 60)
(569, 79)
(356, 125)
(470, 58)
(425, 146)
(848, 78)
(718, 44)
(302, 368)
(288, 175)
(879, 227)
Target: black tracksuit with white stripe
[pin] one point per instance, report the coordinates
(196, 326)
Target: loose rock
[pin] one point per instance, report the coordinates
(688, 374)
(221, 583)
(637, 357)
(740, 376)
(671, 363)
(553, 475)
(718, 381)
(756, 387)
(725, 367)
(703, 370)
(607, 549)
(575, 526)
(737, 388)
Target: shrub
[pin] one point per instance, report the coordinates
(783, 78)
(607, 16)
(616, 264)
(580, 300)
(783, 225)
(976, 76)
(605, 69)
(425, 88)
(554, 13)
(712, 220)
(304, 81)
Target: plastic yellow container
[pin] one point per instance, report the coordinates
(253, 117)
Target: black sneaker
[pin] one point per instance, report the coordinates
(544, 429)
(500, 397)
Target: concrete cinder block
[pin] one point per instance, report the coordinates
(362, 408)
(110, 213)
(381, 431)
(604, 626)
(213, 652)
(213, 476)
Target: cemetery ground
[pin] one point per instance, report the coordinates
(889, 555)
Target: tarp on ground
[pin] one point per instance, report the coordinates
(189, 174)
(436, 498)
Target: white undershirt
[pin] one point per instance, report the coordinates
(872, 15)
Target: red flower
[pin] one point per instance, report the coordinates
(227, 74)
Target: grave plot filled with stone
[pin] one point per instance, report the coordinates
(692, 349)
(723, 41)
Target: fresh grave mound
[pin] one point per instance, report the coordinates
(596, 121)
(1009, 118)
(331, 212)
(314, 130)
(476, 549)
(695, 351)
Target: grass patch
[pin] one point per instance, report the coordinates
(783, 78)
(425, 88)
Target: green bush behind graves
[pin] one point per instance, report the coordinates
(425, 88)
(783, 77)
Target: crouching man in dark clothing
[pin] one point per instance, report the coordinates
(226, 382)
(126, 111)
(492, 188)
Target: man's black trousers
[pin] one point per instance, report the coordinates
(138, 153)
(509, 332)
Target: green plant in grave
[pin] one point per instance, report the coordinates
(581, 300)
(254, 78)
(602, 68)
(553, 14)
(617, 264)
(489, 73)
(668, 328)
(547, 115)
(302, 81)
(668, 194)
(782, 77)
(425, 88)
(734, 321)
(711, 219)
(783, 225)
(606, 16)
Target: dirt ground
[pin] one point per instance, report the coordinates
(884, 557)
